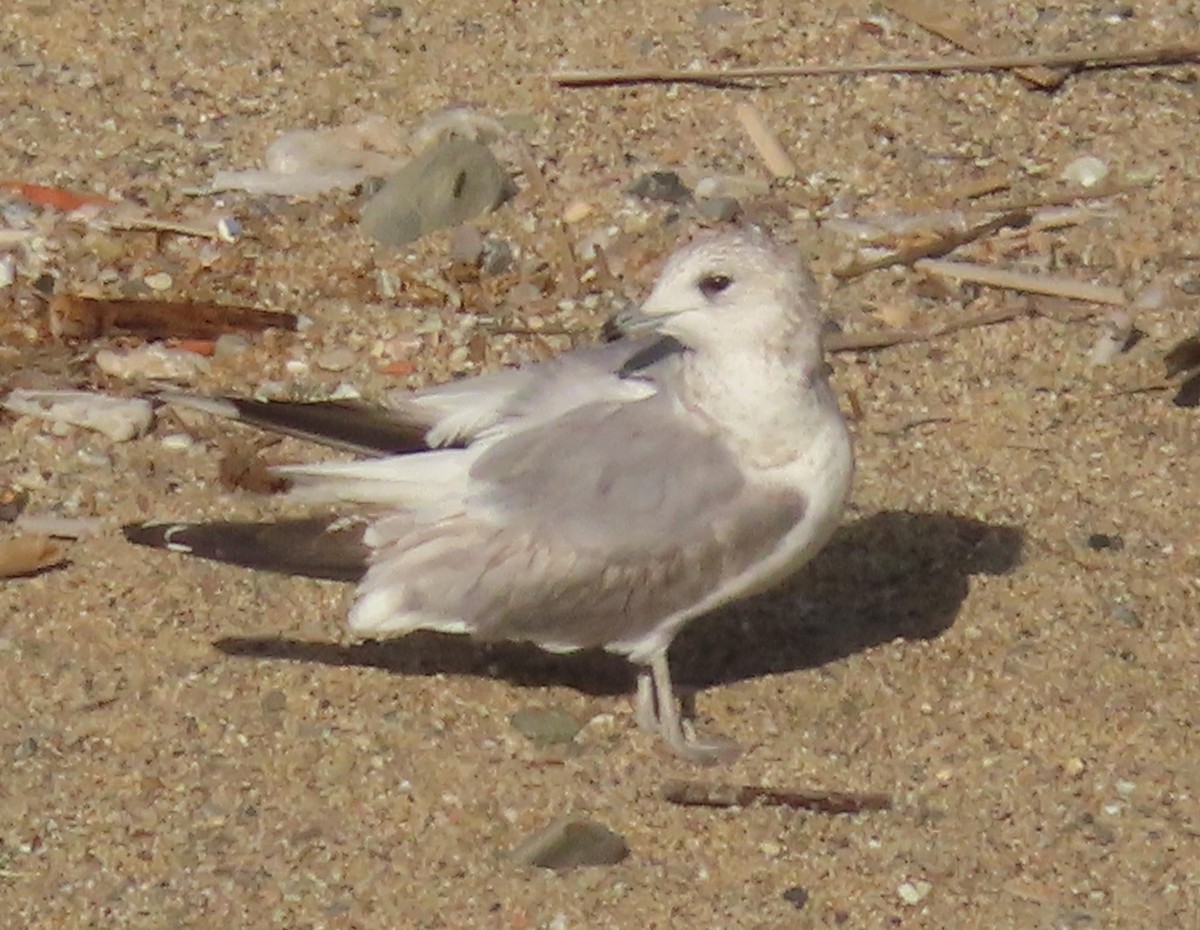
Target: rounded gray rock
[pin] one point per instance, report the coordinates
(444, 186)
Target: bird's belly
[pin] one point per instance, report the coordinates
(822, 476)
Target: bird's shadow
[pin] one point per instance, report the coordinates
(888, 575)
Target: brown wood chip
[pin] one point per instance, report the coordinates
(26, 555)
(73, 317)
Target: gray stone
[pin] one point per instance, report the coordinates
(274, 702)
(661, 185)
(720, 209)
(571, 843)
(497, 256)
(444, 186)
(546, 727)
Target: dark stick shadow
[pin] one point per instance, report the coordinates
(892, 574)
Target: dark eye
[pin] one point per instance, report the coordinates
(713, 284)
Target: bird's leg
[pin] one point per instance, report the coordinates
(670, 721)
(646, 709)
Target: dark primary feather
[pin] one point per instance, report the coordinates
(315, 547)
(652, 354)
(342, 424)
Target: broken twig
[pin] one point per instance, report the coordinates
(1024, 281)
(943, 245)
(766, 143)
(934, 19)
(886, 338)
(149, 224)
(1085, 60)
(704, 794)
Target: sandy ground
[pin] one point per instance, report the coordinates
(185, 744)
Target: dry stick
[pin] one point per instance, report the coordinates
(569, 268)
(704, 794)
(943, 245)
(903, 427)
(931, 19)
(1024, 281)
(770, 149)
(1168, 55)
(1016, 216)
(886, 338)
(149, 224)
(1066, 199)
(979, 187)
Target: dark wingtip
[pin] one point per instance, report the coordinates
(149, 534)
(342, 424)
(321, 547)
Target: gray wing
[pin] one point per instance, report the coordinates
(455, 413)
(587, 531)
(462, 411)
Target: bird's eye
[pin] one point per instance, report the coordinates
(713, 284)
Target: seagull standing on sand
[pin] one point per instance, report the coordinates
(600, 499)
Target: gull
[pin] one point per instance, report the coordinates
(600, 499)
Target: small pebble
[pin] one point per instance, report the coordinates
(49, 524)
(159, 281)
(1126, 616)
(1102, 541)
(524, 293)
(229, 229)
(1189, 284)
(338, 359)
(546, 726)
(8, 270)
(388, 284)
(119, 418)
(345, 391)
(151, 361)
(661, 185)
(94, 458)
(570, 843)
(12, 503)
(274, 702)
(797, 896)
(229, 346)
(913, 892)
(720, 209)
(1086, 171)
(176, 442)
(497, 256)
(577, 211)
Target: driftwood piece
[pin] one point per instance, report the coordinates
(73, 317)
